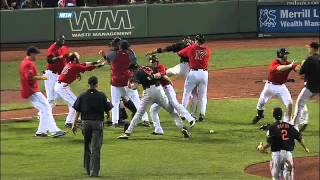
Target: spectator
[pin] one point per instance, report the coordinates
(67, 3)
(4, 4)
(49, 3)
(31, 4)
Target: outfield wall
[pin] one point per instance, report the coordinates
(132, 21)
(230, 17)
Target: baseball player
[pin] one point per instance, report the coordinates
(310, 68)
(119, 59)
(153, 93)
(280, 137)
(181, 69)
(199, 58)
(56, 60)
(171, 95)
(30, 90)
(71, 72)
(279, 70)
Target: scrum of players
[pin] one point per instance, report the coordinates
(64, 67)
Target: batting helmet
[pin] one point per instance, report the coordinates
(115, 41)
(277, 113)
(281, 52)
(124, 44)
(75, 56)
(200, 38)
(153, 58)
(60, 40)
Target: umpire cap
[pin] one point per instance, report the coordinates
(281, 52)
(33, 50)
(153, 58)
(200, 38)
(124, 44)
(277, 113)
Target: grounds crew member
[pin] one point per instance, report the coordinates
(91, 105)
(153, 93)
(30, 90)
(280, 137)
(310, 68)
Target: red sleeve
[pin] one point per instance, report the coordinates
(185, 52)
(274, 65)
(64, 50)
(50, 49)
(83, 68)
(29, 72)
(162, 69)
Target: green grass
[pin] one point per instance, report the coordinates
(222, 155)
(221, 59)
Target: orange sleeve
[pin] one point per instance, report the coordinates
(162, 69)
(29, 72)
(185, 52)
(274, 65)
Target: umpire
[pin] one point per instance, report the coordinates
(91, 105)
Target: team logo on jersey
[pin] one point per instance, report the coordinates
(267, 18)
(200, 54)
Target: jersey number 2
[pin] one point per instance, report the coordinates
(284, 135)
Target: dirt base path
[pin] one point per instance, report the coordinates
(306, 168)
(18, 53)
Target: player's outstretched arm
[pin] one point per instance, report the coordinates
(282, 68)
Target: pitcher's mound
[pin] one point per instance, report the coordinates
(306, 168)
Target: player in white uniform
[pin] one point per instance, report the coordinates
(56, 59)
(181, 69)
(170, 93)
(279, 70)
(153, 93)
(199, 58)
(119, 58)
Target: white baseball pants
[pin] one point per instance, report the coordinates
(47, 122)
(198, 79)
(64, 91)
(172, 97)
(133, 95)
(154, 94)
(280, 91)
(301, 115)
(281, 164)
(49, 86)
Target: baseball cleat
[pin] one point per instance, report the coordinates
(146, 124)
(256, 119)
(68, 125)
(182, 118)
(156, 133)
(58, 134)
(114, 125)
(124, 136)
(201, 118)
(185, 133)
(41, 135)
(192, 123)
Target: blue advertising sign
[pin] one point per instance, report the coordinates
(288, 19)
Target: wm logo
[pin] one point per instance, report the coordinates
(101, 20)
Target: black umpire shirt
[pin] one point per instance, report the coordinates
(92, 104)
(311, 71)
(281, 136)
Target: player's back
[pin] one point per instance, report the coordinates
(283, 135)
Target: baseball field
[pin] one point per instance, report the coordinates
(233, 91)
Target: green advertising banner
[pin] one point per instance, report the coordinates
(101, 23)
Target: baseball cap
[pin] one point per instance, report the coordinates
(32, 49)
(313, 45)
(277, 113)
(93, 80)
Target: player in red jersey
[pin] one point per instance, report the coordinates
(279, 70)
(56, 58)
(199, 57)
(30, 90)
(71, 72)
